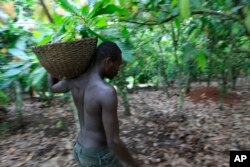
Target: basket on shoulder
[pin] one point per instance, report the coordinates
(66, 59)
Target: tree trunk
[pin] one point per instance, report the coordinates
(122, 88)
(180, 84)
(163, 75)
(18, 103)
(223, 89)
(233, 78)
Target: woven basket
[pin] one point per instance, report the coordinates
(68, 59)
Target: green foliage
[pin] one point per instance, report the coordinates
(59, 123)
(184, 8)
(247, 19)
(159, 39)
(3, 99)
(4, 127)
(69, 7)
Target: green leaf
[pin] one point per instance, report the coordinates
(18, 53)
(247, 22)
(196, 3)
(59, 124)
(85, 11)
(26, 67)
(11, 72)
(91, 2)
(177, 22)
(123, 2)
(110, 9)
(95, 9)
(201, 60)
(96, 35)
(126, 52)
(69, 7)
(4, 99)
(5, 83)
(21, 43)
(184, 8)
(37, 34)
(46, 39)
(100, 22)
(130, 80)
(173, 3)
(59, 20)
(125, 33)
(11, 65)
(37, 76)
(236, 8)
(189, 51)
(174, 11)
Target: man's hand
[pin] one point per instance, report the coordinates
(57, 86)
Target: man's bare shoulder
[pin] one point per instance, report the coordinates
(105, 90)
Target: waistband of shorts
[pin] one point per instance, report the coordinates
(93, 150)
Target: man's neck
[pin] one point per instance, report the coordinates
(96, 72)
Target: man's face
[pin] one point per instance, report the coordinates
(113, 68)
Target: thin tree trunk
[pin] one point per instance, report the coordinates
(125, 100)
(180, 86)
(162, 71)
(234, 79)
(209, 79)
(222, 92)
(188, 87)
(223, 86)
(18, 103)
(122, 88)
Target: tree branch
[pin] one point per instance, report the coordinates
(47, 11)
(195, 12)
(241, 51)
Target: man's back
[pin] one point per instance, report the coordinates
(98, 142)
(85, 90)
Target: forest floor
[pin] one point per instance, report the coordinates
(157, 134)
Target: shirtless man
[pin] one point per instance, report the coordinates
(98, 143)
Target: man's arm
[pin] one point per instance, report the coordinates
(111, 126)
(57, 86)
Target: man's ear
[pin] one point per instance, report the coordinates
(108, 60)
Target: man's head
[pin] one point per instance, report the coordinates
(108, 56)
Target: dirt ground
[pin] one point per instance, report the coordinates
(200, 135)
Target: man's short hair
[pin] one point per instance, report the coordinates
(107, 49)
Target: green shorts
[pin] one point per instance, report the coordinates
(96, 157)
